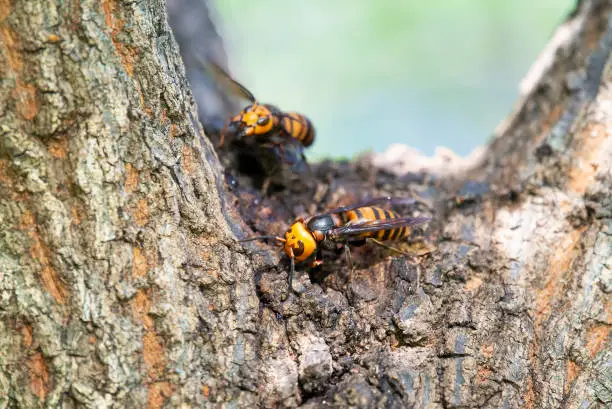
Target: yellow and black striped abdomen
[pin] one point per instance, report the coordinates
(298, 127)
(364, 214)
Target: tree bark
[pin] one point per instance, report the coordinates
(122, 283)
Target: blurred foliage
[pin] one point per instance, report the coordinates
(371, 73)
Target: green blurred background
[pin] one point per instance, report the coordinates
(372, 73)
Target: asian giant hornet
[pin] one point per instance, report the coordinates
(353, 225)
(287, 133)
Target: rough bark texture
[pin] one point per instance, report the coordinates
(122, 285)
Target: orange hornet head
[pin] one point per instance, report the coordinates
(299, 241)
(253, 120)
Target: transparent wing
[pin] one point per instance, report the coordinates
(390, 200)
(291, 153)
(225, 80)
(348, 231)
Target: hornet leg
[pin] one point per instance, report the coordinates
(317, 261)
(347, 253)
(388, 247)
(268, 180)
(401, 252)
(223, 132)
(291, 274)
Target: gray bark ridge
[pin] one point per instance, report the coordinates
(118, 284)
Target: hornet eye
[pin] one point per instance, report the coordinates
(263, 120)
(300, 249)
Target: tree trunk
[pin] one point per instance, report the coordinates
(122, 284)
